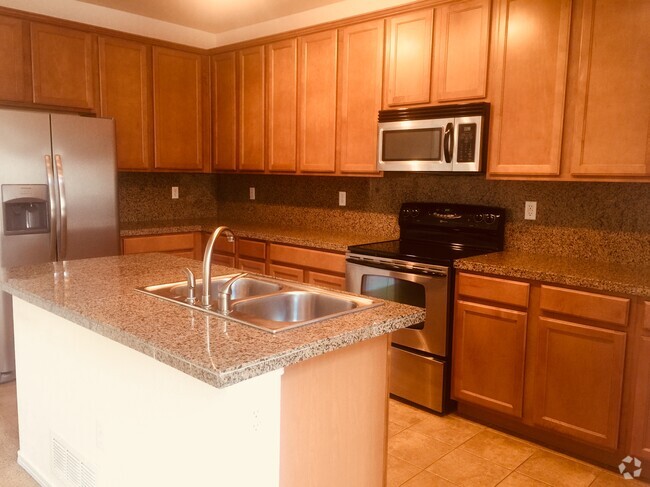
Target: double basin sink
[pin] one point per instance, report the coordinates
(267, 304)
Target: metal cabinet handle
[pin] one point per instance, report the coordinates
(63, 212)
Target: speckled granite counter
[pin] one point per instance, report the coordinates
(273, 233)
(99, 294)
(602, 276)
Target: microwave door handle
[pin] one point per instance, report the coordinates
(448, 143)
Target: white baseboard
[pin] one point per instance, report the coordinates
(33, 472)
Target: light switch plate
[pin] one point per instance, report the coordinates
(342, 198)
(530, 210)
(251, 193)
(174, 192)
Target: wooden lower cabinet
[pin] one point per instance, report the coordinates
(641, 415)
(285, 272)
(489, 355)
(318, 267)
(326, 280)
(250, 265)
(179, 244)
(578, 380)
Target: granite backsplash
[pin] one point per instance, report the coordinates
(600, 221)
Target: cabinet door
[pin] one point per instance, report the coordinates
(462, 40)
(15, 75)
(578, 380)
(489, 357)
(529, 73)
(317, 102)
(326, 280)
(224, 117)
(408, 58)
(63, 62)
(284, 272)
(222, 259)
(641, 418)
(125, 94)
(361, 52)
(612, 111)
(251, 109)
(282, 92)
(249, 265)
(178, 109)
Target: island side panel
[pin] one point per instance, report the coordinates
(334, 418)
(132, 420)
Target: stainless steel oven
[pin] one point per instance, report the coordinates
(419, 353)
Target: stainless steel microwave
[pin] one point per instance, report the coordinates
(442, 138)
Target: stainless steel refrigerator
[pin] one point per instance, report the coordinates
(58, 182)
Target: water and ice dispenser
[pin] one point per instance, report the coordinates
(25, 209)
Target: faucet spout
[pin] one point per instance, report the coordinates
(207, 262)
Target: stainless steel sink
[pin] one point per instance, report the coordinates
(268, 304)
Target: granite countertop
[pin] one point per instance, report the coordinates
(318, 239)
(99, 294)
(601, 276)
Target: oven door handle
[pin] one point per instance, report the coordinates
(397, 267)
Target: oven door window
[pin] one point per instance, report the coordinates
(394, 289)
(412, 145)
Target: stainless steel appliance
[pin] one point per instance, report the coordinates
(417, 269)
(58, 183)
(441, 138)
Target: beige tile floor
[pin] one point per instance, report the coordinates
(424, 450)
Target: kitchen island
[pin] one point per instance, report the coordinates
(119, 388)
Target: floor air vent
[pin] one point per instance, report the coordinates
(68, 467)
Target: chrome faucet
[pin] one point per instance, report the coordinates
(224, 295)
(207, 262)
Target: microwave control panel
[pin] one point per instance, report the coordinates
(466, 142)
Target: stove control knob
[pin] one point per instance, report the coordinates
(490, 218)
(478, 217)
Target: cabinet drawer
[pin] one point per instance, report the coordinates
(227, 260)
(326, 280)
(317, 259)
(252, 266)
(223, 246)
(158, 243)
(494, 289)
(252, 248)
(290, 273)
(581, 304)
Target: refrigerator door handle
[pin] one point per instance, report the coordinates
(49, 168)
(63, 215)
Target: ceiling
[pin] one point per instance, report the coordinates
(214, 16)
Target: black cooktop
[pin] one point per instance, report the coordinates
(439, 233)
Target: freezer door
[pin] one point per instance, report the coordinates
(83, 151)
(24, 147)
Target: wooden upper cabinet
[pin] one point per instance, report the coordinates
(224, 111)
(125, 95)
(15, 75)
(251, 109)
(409, 47)
(317, 102)
(578, 381)
(178, 109)
(282, 93)
(361, 52)
(63, 66)
(529, 72)
(612, 100)
(462, 37)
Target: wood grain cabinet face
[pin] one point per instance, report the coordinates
(282, 96)
(286, 272)
(178, 109)
(489, 357)
(578, 381)
(224, 116)
(641, 413)
(63, 66)
(612, 109)
(462, 37)
(251, 131)
(361, 52)
(125, 95)
(529, 70)
(15, 75)
(317, 102)
(409, 48)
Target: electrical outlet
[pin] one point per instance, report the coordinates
(174, 192)
(530, 210)
(251, 193)
(342, 198)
